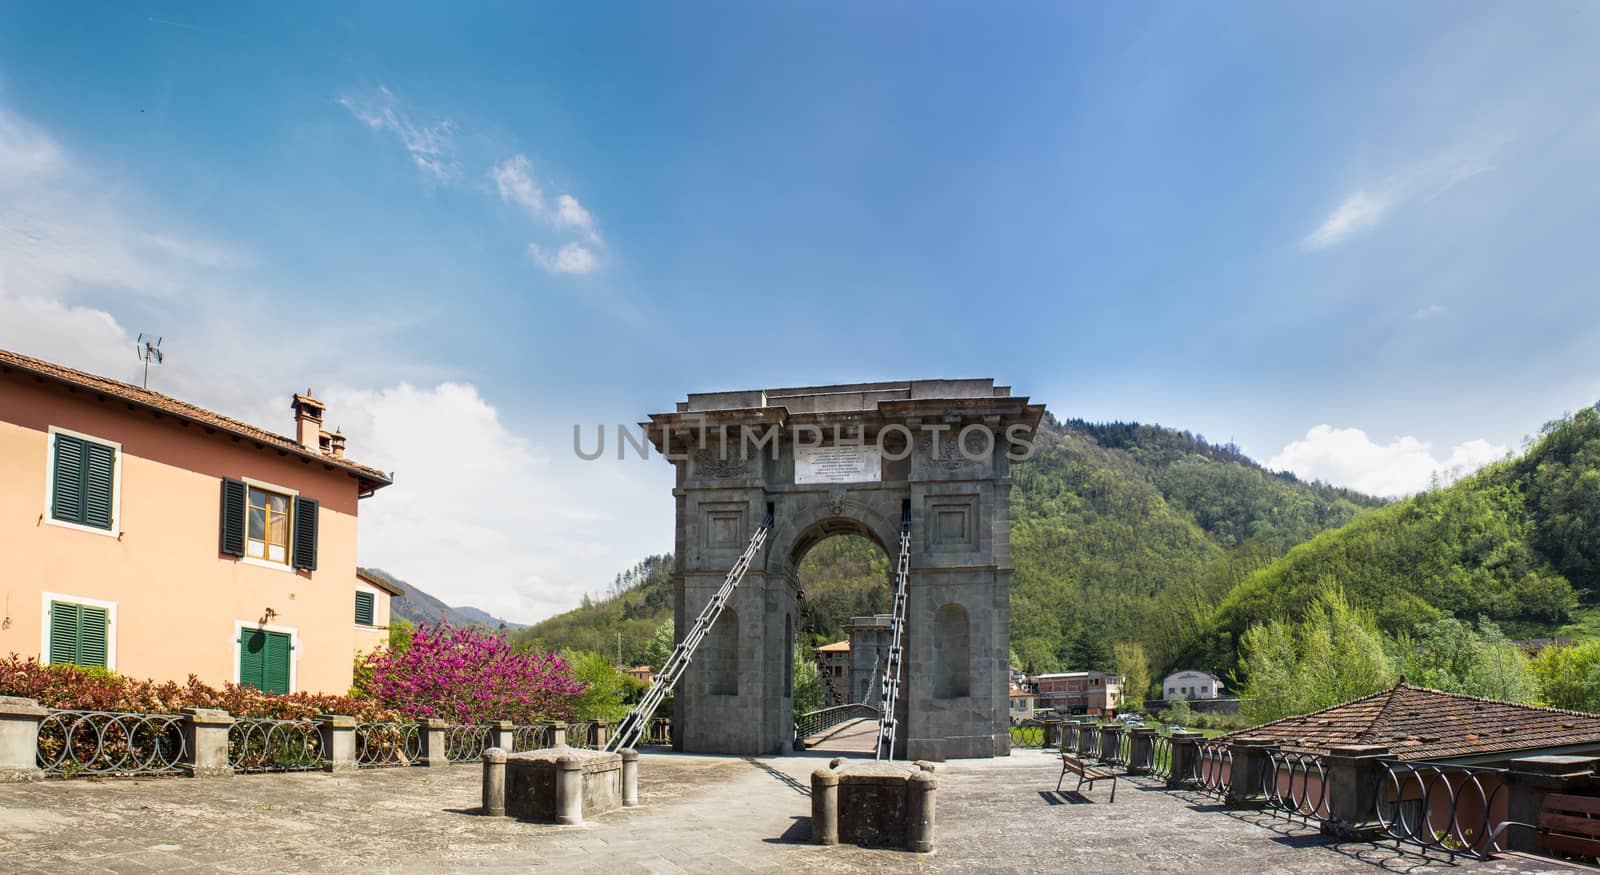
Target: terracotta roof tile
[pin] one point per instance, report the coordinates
(172, 406)
(1419, 723)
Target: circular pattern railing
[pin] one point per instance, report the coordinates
(465, 744)
(1027, 733)
(1089, 741)
(530, 736)
(1296, 784)
(381, 745)
(1214, 767)
(257, 744)
(580, 734)
(75, 742)
(1442, 807)
(1160, 763)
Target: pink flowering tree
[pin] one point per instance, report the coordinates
(469, 675)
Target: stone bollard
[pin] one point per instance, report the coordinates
(1353, 773)
(19, 739)
(338, 743)
(1184, 769)
(558, 734)
(919, 812)
(494, 783)
(1245, 774)
(630, 777)
(432, 732)
(1530, 780)
(825, 807)
(1051, 730)
(1141, 750)
(924, 765)
(1111, 744)
(503, 734)
(602, 731)
(205, 737)
(569, 790)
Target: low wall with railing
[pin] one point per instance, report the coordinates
(38, 742)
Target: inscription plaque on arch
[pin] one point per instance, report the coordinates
(863, 464)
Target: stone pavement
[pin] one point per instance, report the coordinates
(699, 814)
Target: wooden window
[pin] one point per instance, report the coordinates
(264, 660)
(83, 475)
(266, 530)
(365, 607)
(79, 634)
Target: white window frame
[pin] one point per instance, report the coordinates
(111, 625)
(377, 598)
(294, 649)
(288, 563)
(50, 482)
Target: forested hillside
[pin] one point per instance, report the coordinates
(1518, 542)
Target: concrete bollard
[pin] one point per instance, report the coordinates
(602, 732)
(1111, 743)
(1141, 750)
(338, 743)
(494, 783)
(569, 790)
(630, 777)
(19, 739)
(503, 734)
(825, 807)
(919, 812)
(558, 734)
(1247, 773)
(205, 734)
(432, 732)
(924, 765)
(1353, 773)
(1184, 769)
(1051, 728)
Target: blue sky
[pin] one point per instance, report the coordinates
(1356, 239)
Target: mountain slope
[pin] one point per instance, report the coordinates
(1518, 542)
(417, 606)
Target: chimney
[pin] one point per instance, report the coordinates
(336, 445)
(308, 421)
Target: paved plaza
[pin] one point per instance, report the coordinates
(698, 814)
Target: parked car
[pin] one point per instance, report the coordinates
(1176, 728)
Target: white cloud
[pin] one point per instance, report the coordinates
(1369, 205)
(571, 258)
(514, 178)
(1357, 212)
(1347, 457)
(571, 214)
(431, 146)
(1428, 312)
(25, 150)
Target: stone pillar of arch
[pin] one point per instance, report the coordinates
(829, 460)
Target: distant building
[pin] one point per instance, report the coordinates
(641, 673)
(833, 660)
(1022, 703)
(869, 651)
(1191, 684)
(1080, 692)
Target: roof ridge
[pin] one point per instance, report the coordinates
(1307, 714)
(1392, 692)
(1507, 702)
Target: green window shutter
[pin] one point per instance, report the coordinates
(99, 484)
(232, 519)
(276, 668)
(66, 483)
(364, 608)
(63, 633)
(252, 658)
(304, 554)
(93, 628)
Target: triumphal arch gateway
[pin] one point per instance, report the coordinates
(930, 457)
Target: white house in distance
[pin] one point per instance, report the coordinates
(1191, 684)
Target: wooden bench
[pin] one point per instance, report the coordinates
(1087, 774)
(1568, 825)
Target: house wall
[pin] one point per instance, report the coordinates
(178, 600)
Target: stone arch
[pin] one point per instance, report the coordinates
(952, 652)
(793, 536)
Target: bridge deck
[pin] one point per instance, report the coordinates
(858, 736)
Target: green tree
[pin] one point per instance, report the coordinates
(1134, 667)
(807, 684)
(1334, 655)
(1567, 676)
(603, 686)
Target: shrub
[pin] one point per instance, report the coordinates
(470, 675)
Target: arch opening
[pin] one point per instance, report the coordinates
(952, 653)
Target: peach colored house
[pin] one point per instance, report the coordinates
(159, 539)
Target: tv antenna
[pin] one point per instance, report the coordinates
(149, 352)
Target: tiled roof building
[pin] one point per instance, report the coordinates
(1418, 723)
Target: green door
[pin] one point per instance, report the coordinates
(264, 660)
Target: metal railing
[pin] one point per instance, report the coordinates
(824, 719)
(580, 734)
(1214, 767)
(1089, 742)
(530, 736)
(1027, 733)
(1121, 749)
(1296, 784)
(73, 742)
(1442, 807)
(380, 745)
(466, 743)
(1160, 764)
(261, 744)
